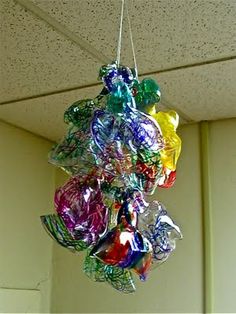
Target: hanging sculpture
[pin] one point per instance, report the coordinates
(117, 149)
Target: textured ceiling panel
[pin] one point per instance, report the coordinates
(201, 93)
(167, 33)
(206, 92)
(44, 115)
(35, 59)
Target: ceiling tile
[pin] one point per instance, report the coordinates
(35, 59)
(167, 33)
(201, 93)
(44, 115)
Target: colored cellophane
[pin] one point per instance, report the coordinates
(118, 149)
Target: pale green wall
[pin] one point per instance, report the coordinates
(223, 188)
(176, 286)
(27, 184)
(26, 192)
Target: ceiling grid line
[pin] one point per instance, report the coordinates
(187, 66)
(41, 14)
(190, 50)
(44, 16)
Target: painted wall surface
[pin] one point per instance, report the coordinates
(176, 286)
(26, 192)
(223, 189)
(27, 185)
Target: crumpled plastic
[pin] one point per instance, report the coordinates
(118, 149)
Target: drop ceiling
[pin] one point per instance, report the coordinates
(51, 52)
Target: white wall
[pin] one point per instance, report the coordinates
(26, 192)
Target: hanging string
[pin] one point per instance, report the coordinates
(131, 40)
(120, 33)
(123, 4)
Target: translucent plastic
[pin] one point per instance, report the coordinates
(118, 148)
(160, 230)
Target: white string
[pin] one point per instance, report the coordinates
(123, 4)
(131, 40)
(120, 33)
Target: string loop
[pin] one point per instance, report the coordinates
(120, 33)
(123, 4)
